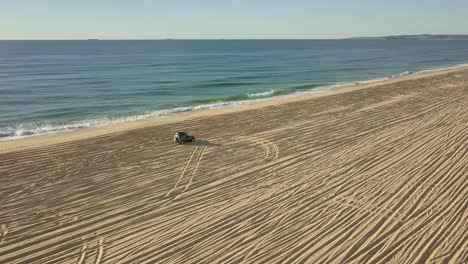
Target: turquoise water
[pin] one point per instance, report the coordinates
(55, 86)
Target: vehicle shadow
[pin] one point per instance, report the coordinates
(203, 143)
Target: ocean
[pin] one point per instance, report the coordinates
(57, 86)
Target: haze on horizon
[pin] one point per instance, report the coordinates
(254, 19)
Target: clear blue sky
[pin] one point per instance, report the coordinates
(214, 19)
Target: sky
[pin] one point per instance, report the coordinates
(228, 19)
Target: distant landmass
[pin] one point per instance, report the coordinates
(420, 37)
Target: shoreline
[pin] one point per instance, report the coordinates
(357, 176)
(15, 144)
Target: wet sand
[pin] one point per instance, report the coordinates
(370, 174)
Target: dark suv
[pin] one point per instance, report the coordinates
(182, 137)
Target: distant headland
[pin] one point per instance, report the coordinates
(419, 37)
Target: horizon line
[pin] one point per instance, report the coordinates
(104, 39)
(221, 39)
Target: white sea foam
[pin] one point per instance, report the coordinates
(27, 130)
(443, 69)
(405, 73)
(261, 95)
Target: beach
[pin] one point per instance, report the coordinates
(371, 173)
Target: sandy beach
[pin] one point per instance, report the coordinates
(376, 173)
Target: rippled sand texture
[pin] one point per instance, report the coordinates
(377, 175)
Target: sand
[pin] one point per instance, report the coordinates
(370, 174)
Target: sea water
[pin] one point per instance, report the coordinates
(56, 86)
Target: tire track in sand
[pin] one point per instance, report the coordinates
(83, 254)
(197, 154)
(99, 252)
(271, 150)
(195, 169)
(4, 233)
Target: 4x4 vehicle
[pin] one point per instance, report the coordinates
(182, 137)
